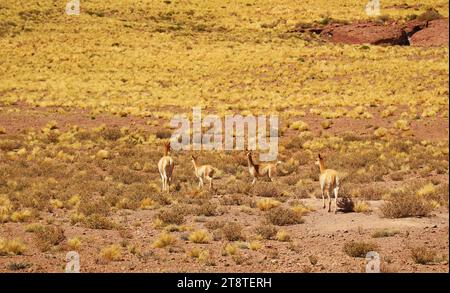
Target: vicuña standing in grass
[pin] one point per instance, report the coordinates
(261, 170)
(165, 167)
(329, 181)
(204, 172)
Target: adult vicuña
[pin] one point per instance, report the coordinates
(329, 181)
(261, 170)
(203, 172)
(165, 167)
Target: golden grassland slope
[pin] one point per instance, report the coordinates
(131, 57)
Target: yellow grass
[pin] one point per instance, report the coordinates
(200, 236)
(21, 216)
(11, 247)
(111, 253)
(361, 207)
(254, 245)
(283, 236)
(164, 239)
(147, 204)
(230, 249)
(267, 204)
(74, 243)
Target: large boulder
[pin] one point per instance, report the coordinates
(366, 33)
(435, 34)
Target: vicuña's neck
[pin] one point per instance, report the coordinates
(250, 160)
(195, 165)
(322, 166)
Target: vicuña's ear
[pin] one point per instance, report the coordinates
(320, 157)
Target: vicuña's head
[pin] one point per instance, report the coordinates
(248, 152)
(167, 147)
(193, 159)
(319, 160)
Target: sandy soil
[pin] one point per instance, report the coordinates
(322, 236)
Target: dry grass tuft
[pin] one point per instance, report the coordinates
(200, 236)
(48, 237)
(173, 215)
(33, 227)
(282, 216)
(21, 216)
(200, 254)
(361, 207)
(267, 190)
(406, 203)
(422, 255)
(230, 249)
(385, 233)
(232, 231)
(147, 204)
(267, 204)
(283, 236)
(164, 239)
(207, 209)
(254, 245)
(74, 243)
(111, 253)
(11, 247)
(97, 221)
(266, 230)
(359, 249)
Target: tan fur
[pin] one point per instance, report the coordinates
(204, 172)
(165, 167)
(261, 170)
(329, 181)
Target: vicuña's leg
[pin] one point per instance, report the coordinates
(210, 182)
(336, 191)
(323, 197)
(165, 183)
(254, 180)
(269, 174)
(162, 182)
(329, 200)
(200, 182)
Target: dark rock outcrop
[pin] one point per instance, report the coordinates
(366, 33)
(435, 34)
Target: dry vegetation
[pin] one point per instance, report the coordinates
(82, 125)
